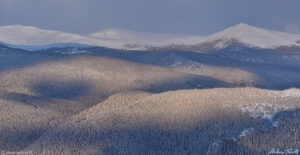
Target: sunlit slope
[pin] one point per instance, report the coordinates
(183, 121)
(88, 79)
(237, 66)
(39, 95)
(22, 123)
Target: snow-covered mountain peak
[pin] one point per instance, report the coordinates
(256, 37)
(245, 30)
(33, 38)
(126, 39)
(243, 26)
(23, 30)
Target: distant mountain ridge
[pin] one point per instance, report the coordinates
(32, 38)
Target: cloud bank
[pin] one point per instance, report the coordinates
(161, 16)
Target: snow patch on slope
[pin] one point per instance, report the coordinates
(263, 110)
(291, 93)
(246, 132)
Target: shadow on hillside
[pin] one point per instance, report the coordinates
(25, 98)
(46, 91)
(50, 91)
(138, 140)
(11, 59)
(61, 90)
(193, 82)
(281, 137)
(277, 70)
(151, 139)
(16, 139)
(195, 139)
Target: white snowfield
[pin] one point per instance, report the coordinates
(32, 38)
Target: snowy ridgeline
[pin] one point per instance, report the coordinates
(45, 47)
(32, 38)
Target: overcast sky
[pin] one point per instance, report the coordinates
(159, 16)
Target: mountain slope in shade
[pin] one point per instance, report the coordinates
(125, 39)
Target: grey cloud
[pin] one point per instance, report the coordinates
(161, 16)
